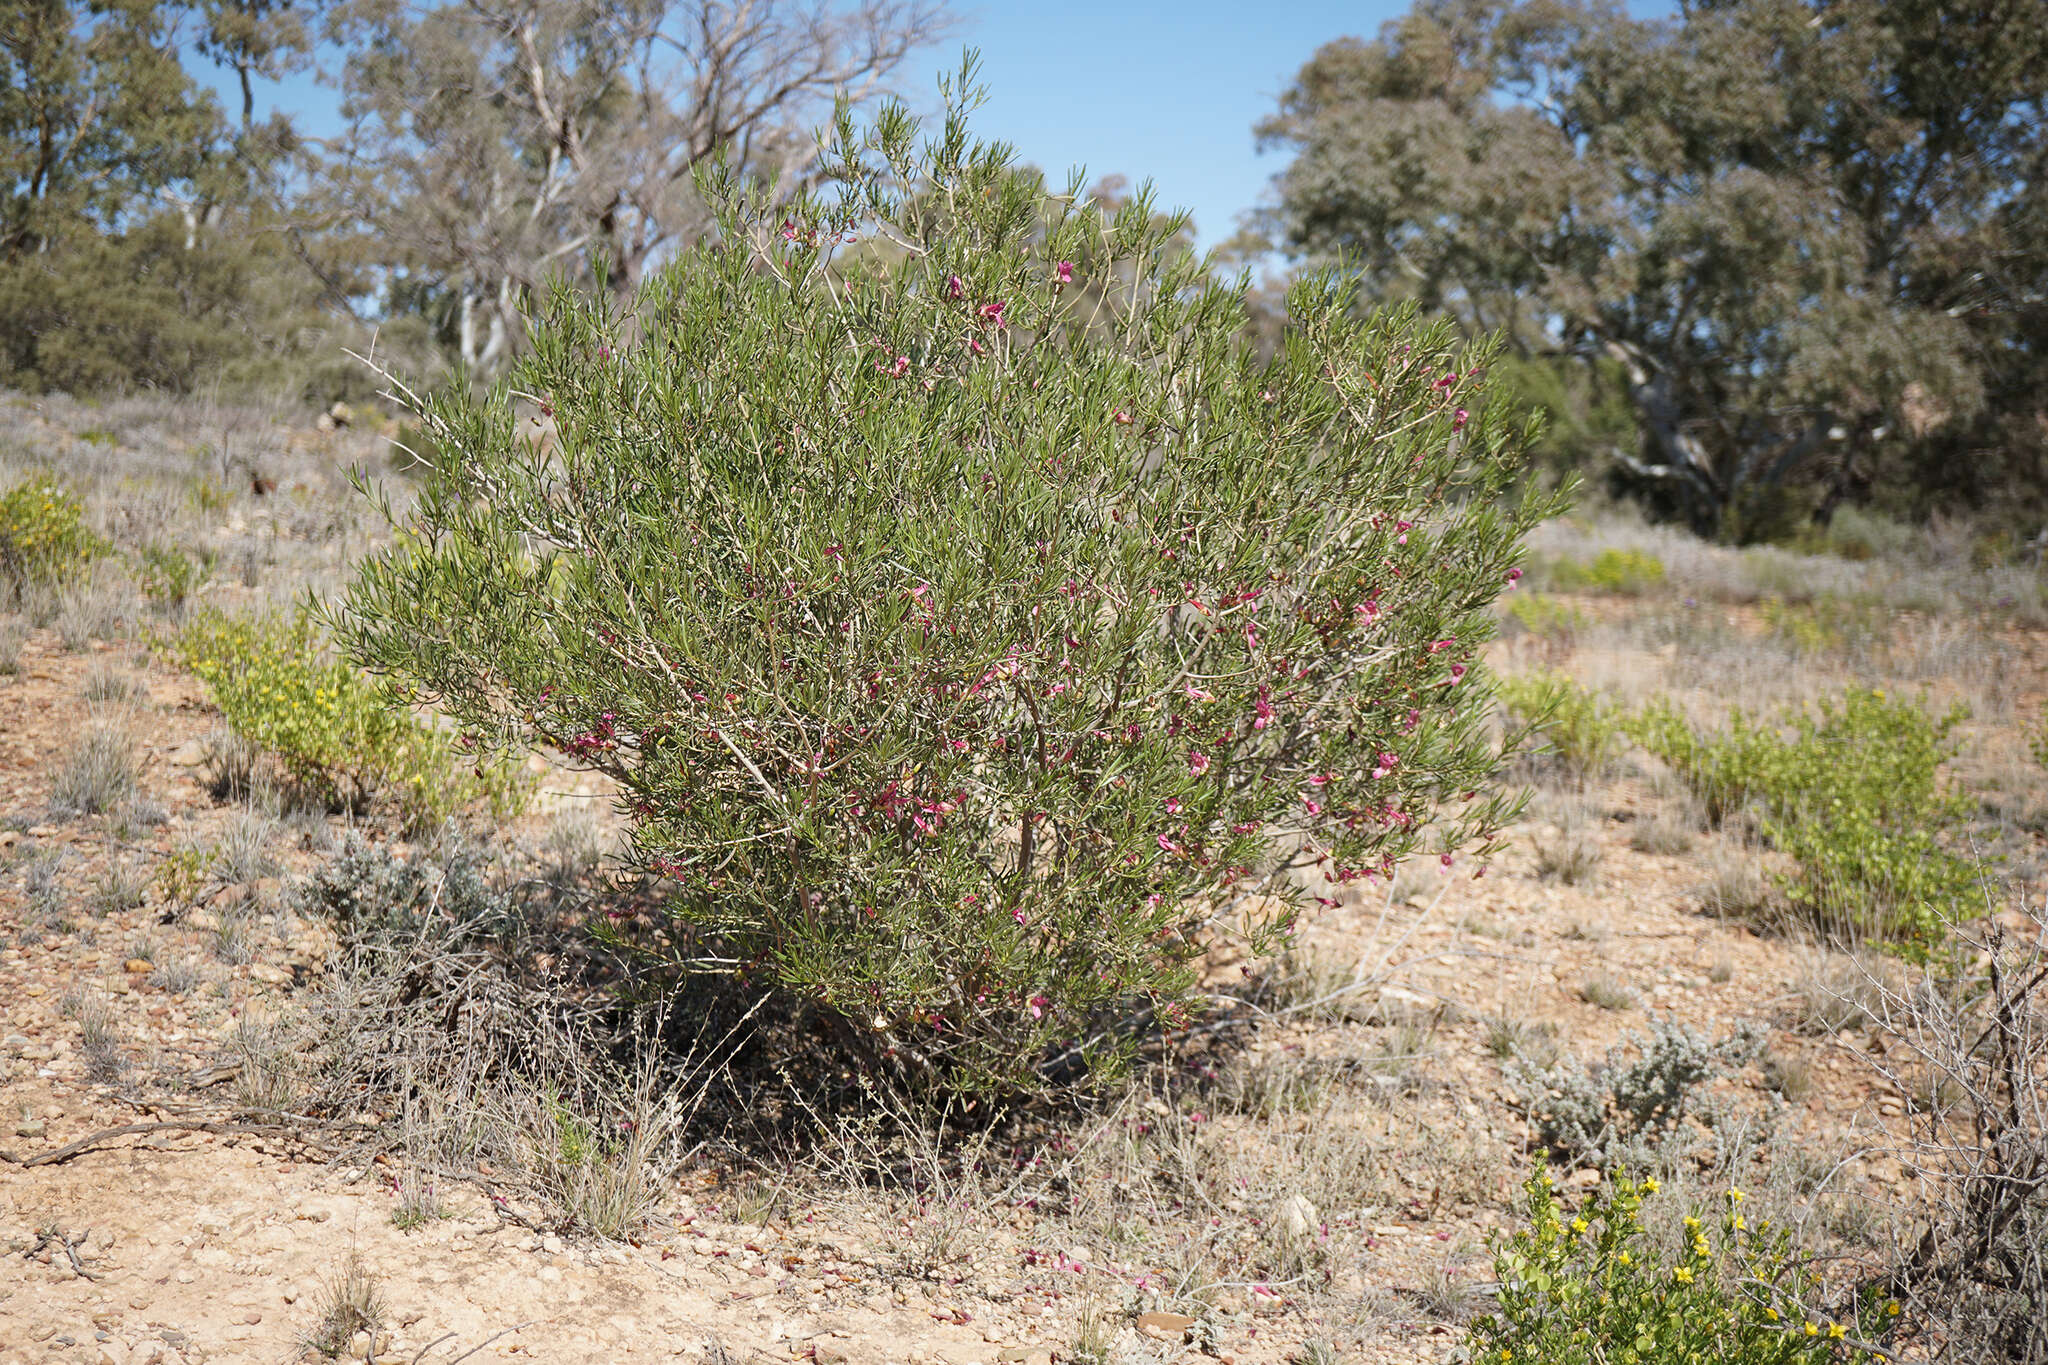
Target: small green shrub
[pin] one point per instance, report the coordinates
(1592, 1286)
(1618, 1113)
(44, 540)
(170, 577)
(373, 897)
(1575, 725)
(1627, 573)
(1542, 615)
(341, 738)
(1852, 793)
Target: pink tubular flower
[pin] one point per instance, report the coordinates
(993, 312)
(1387, 762)
(1173, 805)
(1198, 762)
(1263, 711)
(1039, 1005)
(955, 286)
(1442, 645)
(1458, 420)
(1064, 271)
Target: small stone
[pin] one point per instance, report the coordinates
(829, 1352)
(1165, 1326)
(190, 754)
(136, 964)
(34, 1128)
(252, 1318)
(551, 1244)
(1296, 1219)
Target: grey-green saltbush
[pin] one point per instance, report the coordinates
(974, 623)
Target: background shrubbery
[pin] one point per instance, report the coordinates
(1853, 793)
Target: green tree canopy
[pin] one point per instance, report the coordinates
(1807, 232)
(100, 126)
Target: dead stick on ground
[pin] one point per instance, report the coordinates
(72, 1149)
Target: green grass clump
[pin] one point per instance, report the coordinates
(1627, 573)
(1853, 794)
(340, 738)
(1591, 1285)
(1575, 725)
(43, 536)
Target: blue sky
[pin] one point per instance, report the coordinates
(1165, 91)
(1154, 90)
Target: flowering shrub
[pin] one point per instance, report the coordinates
(43, 535)
(337, 736)
(1852, 794)
(1593, 1287)
(973, 624)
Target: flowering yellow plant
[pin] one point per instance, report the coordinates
(43, 536)
(338, 735)
(1591, 1287)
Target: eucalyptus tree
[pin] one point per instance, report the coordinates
(1806, 234)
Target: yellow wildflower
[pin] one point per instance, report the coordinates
(1682, 1275)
